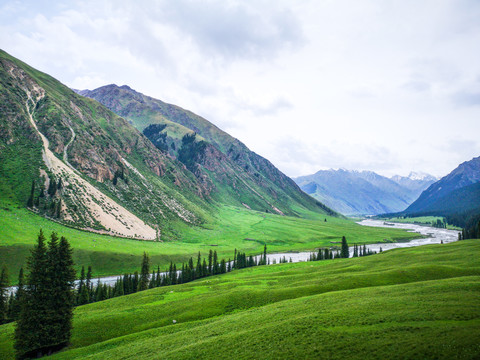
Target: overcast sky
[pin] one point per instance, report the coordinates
(388, 86)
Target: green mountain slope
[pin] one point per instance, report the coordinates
(457, 192)
(91, 169)
(235, 175)
(418, 302)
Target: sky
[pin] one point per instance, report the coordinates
(382, 85)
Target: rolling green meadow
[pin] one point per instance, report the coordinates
(413, 303)
(242, 229)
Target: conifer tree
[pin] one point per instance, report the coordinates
(215, 263)
(198, 269)
(30, 338)
(63, 295)
(153, 281)
(135, 282)
(17, 303)
(3, 295)
(159, 278)
(204, 268)
(32, 194)
(210, 262)
(88, 283)
(144, 273)
(83, 291)
(344, 252)
(44, 322)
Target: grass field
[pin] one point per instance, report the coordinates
(422, 220)
(413, 303)
(234, 228)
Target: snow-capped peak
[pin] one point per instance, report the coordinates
(420, 176)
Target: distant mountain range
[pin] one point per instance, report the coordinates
(458, 192)
(364, 192)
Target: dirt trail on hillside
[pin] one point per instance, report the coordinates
(115, 218)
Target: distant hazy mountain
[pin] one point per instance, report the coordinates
(364, 192)
(415, 181)
(458, 192)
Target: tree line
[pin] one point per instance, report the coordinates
(343, 252)
(43, 304)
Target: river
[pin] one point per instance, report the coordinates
(434, 236)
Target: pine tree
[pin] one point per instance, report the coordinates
(198, 269)
(63, 293)
(4, 295)
(83, 288)
(52, 187)
(30, 337)
(144, 273)
(344, 252)
(264, 261)
(88, 283)
(44, 323)
(58, 211)
(215, 263)
(210, 259)
(153, 281)
(17, 303)
(32, 194)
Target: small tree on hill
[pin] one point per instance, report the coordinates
(3, 295)
(344, 252)
(144, 273)
(32, 195)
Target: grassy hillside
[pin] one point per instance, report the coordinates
(407, 303)
(235, 175)
(233, 228)
(95, 147)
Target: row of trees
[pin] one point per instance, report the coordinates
(87, 292)
(327, 254)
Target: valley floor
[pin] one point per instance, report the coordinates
(414, 303)
(233, 228)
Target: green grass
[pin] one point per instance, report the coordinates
(406, 303)
(423, 220)
(233, 228)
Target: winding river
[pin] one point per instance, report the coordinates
(433, 236)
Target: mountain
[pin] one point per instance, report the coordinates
(415, 181)
(458, 192)
(233, 174)
(362, 192)
(72, 160)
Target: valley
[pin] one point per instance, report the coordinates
(420, 300)
(124, 177)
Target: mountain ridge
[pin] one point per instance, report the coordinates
(355, 192)
(74, 161)
(220, 159)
